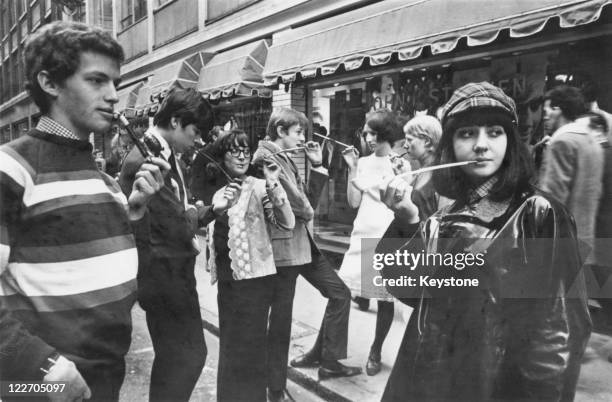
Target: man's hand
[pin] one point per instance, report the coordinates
(314, 153)
(350, 156)
(397, 196)
(400, 165)
(230, 195)
(149, 180)
(65, 371)
(271, 171)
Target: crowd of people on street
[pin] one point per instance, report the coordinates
(79, 247)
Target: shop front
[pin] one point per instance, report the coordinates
(182, 73)
(232, 81)
(523, 47)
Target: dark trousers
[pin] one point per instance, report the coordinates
(331, 343)
(243, 321)
(167, 292)
(105, 383)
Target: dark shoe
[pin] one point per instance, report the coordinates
(362, 303)
(306, 360)
(373, 365)
(336, 369)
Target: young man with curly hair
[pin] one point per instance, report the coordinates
(70, 241)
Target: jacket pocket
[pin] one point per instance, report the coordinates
(277, 233)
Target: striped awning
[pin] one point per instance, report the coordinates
(236, 72)
(405, 28)
(128, 97)
(183, 73)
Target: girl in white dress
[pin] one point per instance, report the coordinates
(381, 131)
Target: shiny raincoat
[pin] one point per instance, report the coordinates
(521, 334)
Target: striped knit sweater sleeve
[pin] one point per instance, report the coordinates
(68, 258)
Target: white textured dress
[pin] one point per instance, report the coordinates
(373, 219)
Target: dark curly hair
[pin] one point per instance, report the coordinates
(514, 174)
(57, 47)
(188, 106)
(226, 141)
(567, 98)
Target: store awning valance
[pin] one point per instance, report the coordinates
(183, 73)
(237, 72)
(128, 97)
(402, 27)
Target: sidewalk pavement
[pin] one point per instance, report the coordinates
(308, 308)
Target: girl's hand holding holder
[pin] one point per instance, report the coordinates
(231, 193)
(396, 195)
(350, 156)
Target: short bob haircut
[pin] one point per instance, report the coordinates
(233, 138)
(515, 172)
(228, 140)
(386, 125)
(57, 48)
(285, 117)
(188, 107)
(568, 99)
(425, 127)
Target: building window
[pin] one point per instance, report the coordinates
(102, 14)
(14, 77)
(12, 18)
(4, 18)
(21, 7)
(36, 13)
(217, 9)
(132, 11)
(159, 3)
(5, 89)
(23, 27)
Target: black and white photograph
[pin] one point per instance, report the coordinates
(306, 200)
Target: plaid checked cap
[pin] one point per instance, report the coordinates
(476, 95)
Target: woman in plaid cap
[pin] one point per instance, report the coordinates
(519, 334)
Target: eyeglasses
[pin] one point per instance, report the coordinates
(235, 152)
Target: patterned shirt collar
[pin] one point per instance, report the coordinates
(482, 190)
(480, 206)
(48, 125)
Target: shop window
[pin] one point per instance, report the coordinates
(217, 9)
(132, 11)
(249, 114)
(20, 128)
(341, 110)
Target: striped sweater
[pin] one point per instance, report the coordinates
(68, 258)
